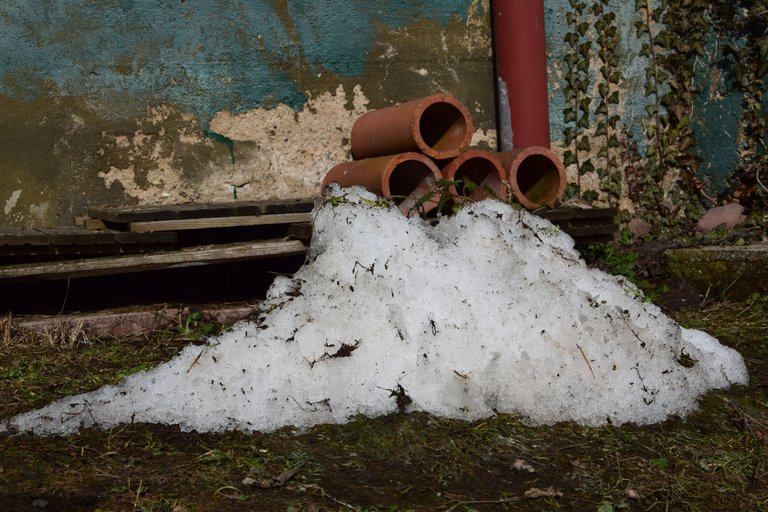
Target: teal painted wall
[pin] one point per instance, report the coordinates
(139, 101)
(202, 55)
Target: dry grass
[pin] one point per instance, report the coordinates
(63, 335)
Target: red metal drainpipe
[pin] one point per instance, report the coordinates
(406, 177)
(521, 63)
(440, 126)
(481, 168)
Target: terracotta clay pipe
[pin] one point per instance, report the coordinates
(476, 167)
(407, 178)
(535, 175)
(439, 126)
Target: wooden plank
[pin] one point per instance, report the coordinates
(19, 237)
(94, 224)
(300, 231)
(188, 257)
(218, 222)
(128, 215)
(59, 241)
(578, 213)
(584, 231)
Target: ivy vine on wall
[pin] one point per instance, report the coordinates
(744, 24)
(657, 169)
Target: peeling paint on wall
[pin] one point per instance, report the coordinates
(10, 204)
(278, 153)
(144, 102)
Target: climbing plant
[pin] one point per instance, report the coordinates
(658, 166)
(744, 25)
(576, 114)
(606, 117)
(672, 32)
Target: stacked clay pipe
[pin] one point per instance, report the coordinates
(401, 152)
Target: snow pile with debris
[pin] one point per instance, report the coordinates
(490, 310)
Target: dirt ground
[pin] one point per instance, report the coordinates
(715, 459)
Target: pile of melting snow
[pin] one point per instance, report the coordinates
(489, 311)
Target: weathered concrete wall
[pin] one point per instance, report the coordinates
(146, 101)
(143, 101)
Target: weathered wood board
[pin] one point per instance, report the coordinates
(187, 257)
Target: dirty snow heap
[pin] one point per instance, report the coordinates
(489, 311)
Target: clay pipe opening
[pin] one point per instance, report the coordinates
(440, 126)
(477, 175)
(535, 175)
(409, 179)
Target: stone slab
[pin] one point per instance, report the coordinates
(117, 324)
(723, 271)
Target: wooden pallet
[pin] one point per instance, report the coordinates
(585, 225)
(138, 239)
(202, 216)
(65, 241)
(186, 257)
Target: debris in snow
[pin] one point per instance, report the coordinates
(489, 311)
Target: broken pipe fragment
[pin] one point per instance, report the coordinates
(409, 179)
(440, 126)
(477, 175)
(535, 175)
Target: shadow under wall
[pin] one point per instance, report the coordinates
(231, 282)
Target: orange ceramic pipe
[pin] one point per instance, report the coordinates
(440, 126)
(406, 178)
(476, 167)
(535, 175)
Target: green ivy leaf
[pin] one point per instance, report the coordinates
(585, 48)
(568, 135)
(601, 130)
(569, 158)
(640, 29)
(590, 196)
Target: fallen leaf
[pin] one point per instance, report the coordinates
(579, 465)
(521, 465)
(549, 492)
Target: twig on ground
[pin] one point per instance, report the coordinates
(484, 502)
(326, 495)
